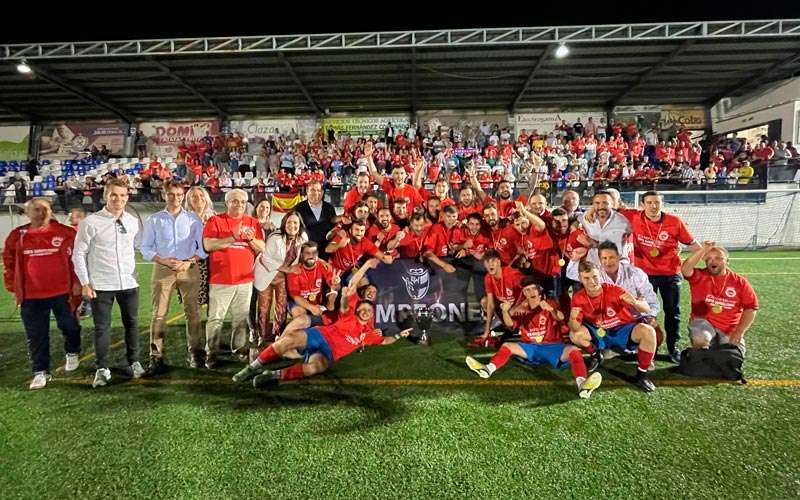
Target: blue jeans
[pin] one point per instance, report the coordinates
(36, 320)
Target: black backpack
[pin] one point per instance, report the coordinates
(724, 361)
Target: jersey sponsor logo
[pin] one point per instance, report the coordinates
(730, 292)
(318, 283)
(57, 241)
(417, 281)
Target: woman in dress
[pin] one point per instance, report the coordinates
(199, 203)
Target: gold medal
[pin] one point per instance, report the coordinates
(601, 332)
(538, 339)
(654, 252)
(716, 309)
(312, 297)
(561, 262)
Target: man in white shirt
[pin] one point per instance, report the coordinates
(603, 223)
(105, 264)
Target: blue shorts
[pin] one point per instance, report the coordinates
(315, 320)
(316, 343)
(544, 354)
(614, 337)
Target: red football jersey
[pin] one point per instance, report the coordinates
(539, 326)
(348, 334)
(721, 300)
(607, 310)
(506, 288)
(347, 257)
(307, 283)
(656, 245)
(507, 243)
(535, 246)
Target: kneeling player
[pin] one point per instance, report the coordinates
(320, 346)
(601, 318)
(538, 321)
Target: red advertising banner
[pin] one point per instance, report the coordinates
(69, 141)
(163, 138)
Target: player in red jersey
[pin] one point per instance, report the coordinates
(724, 304)
(320, 346)
(539, 323)
(305, 284)
(346, 251)
(502, 284)
(601, 318)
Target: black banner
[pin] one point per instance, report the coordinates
(451, 298)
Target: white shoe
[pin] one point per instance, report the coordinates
(609, 354)
(73, 361)
(101, 377)
(589, 385)
(136, 370)
(478, 367)
(40, 379)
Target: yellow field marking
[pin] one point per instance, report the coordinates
(91, 355)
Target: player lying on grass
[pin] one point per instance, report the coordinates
(320, 346)
(539, 322)
(601, 318)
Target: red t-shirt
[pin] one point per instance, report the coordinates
(507, 243)
(480, 242)
(660, 238)
(439, 239)
(232, 265)
(413, 245)
(732, 293)
(348, 334)
(347, 257)
(607, 310)
(406, 191)
(507, 288)
(535, 246)
(539, 326)
(38, 262)
(307, 283)
(382, 237)
(351, 199)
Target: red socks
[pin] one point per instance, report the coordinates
(268, 355)
(576, 364)
(589, 349)
(501, 357)
(292, 372)
(645, 359)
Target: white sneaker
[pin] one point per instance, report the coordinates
(589, 385)
(40, 379)
(609, 354)
(73, 361)
(101, 377)
(137, 370)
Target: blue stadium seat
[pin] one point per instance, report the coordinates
(37, 189)
(46, 162)
(3, 164)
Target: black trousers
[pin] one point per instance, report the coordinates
(36, 320)
(128, 301)
(669, 287)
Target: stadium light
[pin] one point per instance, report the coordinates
(562, 51)
(23, 68)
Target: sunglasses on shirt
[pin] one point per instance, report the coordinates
(121, 227)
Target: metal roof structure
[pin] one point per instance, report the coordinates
(476, 69)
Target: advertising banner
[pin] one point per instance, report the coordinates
(466, 123)
(14, 142)
(408, 284)
(664, 117)
(545, 122)
(66, 141)
(167, 136)
(364, 126)
(258, 132)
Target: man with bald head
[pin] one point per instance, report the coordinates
(724, 304)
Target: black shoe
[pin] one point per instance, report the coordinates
(265, 381)
(644, 383)
(675, 356)
(211, 363)
(597, 360)
(156, 367)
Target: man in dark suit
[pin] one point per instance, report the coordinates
(317, 216)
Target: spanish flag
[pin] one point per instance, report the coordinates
(283, 202)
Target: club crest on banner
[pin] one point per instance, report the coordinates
(417, 281)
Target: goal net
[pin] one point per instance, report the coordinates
(738, 219)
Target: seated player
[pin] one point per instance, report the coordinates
(539, 323)
(304, 284)
(385, 234)
(724, 304)
(416, 244)
(502, 284)
(601, 318)
(346, 251)
(320, 346)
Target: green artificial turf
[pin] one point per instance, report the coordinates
(436, 432)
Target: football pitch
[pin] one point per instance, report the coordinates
(406, 421)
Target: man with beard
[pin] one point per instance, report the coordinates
(356, 194)
(601, 319)
(346, 251)
(603, 223)
(441, 234)
(400, 212)
(724, 304)
(504, 203)
(360, 213)
(416, 244)
(467, 204)
(492, 225)
(394, 186)
(385, 233)
(304, 284)
(539, 323)
(433, 208)
(657, 237)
